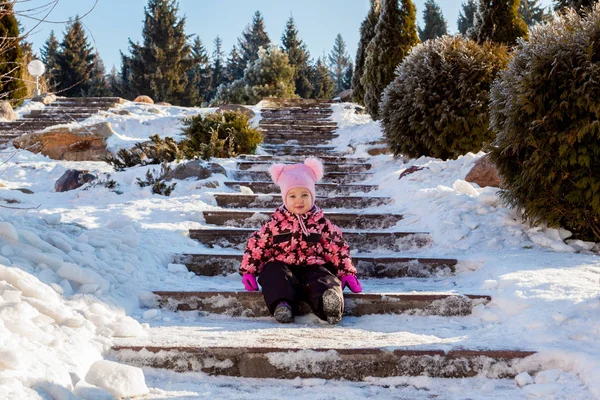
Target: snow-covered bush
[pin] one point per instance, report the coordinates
(271, 75)
(545, 109)
(438, 103)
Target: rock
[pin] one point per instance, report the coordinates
(72, 144)
(237, 108)
(72, 179)
(212, 184)
(24, 190)
(360, 110)
(155, 110)
(122, 112)
(45, 98)
(195, 169)
(410, 170)
(378, 150)
(484, 173)
(144, 99)
(346, 96)
(162, 103)
(6, 111)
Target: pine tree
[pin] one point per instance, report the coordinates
(253, 38)
(198, 87)
(299, 58)
(531, 12)
(12, 86)
(235, 67)
(270, 75)
(120, 82)
(579, 5)
(435, 24)
(323, 84)
(367, 32)
(49, 56)
(348, 74)
(98, 85)
(498, 21)
(75, 61)
(218, 67)
(158, 66)
(466, 17)
(395, 35)
(338, 62)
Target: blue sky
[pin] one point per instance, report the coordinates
(112, 23)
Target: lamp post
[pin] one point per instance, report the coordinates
(36, 68)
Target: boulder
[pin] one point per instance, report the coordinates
(237, 108)
(72, 179)
(484, 173)
(162, 103)
(122, 112)
(346, 96)
(410, 170)
(45, 98)
(6, 111)
(72, 144)
(144, 99)
(195, 169)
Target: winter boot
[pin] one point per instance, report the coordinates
(283, 313)
(332, 306)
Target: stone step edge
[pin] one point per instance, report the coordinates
(344, 231)
(354, 364)
(251, 304)
(243, 183)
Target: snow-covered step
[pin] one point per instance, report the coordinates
(261, 165)
(321, 189)
(354, 364)
(299, 129)
(308, 150)
(329, 177)
(288, 122)
(363, 241)
(368, 266)
(295, 141)
(327, 160)
(296, 116)
(251, 304)
(252, 218)
(236, 200)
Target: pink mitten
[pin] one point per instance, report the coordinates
(249, 282)
(352, 283)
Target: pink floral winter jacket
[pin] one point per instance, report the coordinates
(281, 238)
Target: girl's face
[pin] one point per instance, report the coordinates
(298, 200)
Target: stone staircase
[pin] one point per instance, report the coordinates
(64, 110)
(251, 345)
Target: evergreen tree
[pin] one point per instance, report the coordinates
(49, 56)
(348, 74)
(235, 67)
(323, 84)
(75, 61)
(198, 87)
(12, 86)
(531, 12)
(253, 38)
(339, 60)
(299, 59)
(98, 86)
(120, 83)
(466, 17)
(498, 21)
(270, 75)
(158, 66)
(218, 67)
(367, 31)
(395, 35)
(579, 5)
(435, 24)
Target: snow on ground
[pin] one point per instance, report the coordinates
(76, 269)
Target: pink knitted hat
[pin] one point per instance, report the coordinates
(290, 176)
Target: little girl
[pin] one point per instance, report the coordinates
(298, 254)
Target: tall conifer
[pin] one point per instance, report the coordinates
(75, 61)
(367, 32)
(98, 85)
(253, 38)
(158, 66)
(198, 88)
(339, 60)
(466, 16)
(322, 82)
(395, 35)
(218, 67)
(435, 24)
(578, 5)
(235, 66)
(12, 86)
(299, 58)
(498, 21)
(49, 56)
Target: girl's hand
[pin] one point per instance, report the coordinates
(249, 282)
(352, 283)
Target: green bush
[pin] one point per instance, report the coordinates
(545, 109)
(156, 151)
(437, 105)
(156, 179)
(231, 128)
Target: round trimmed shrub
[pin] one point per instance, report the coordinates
(545, 109)
(437, 105)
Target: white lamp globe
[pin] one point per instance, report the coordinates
(36, 68)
